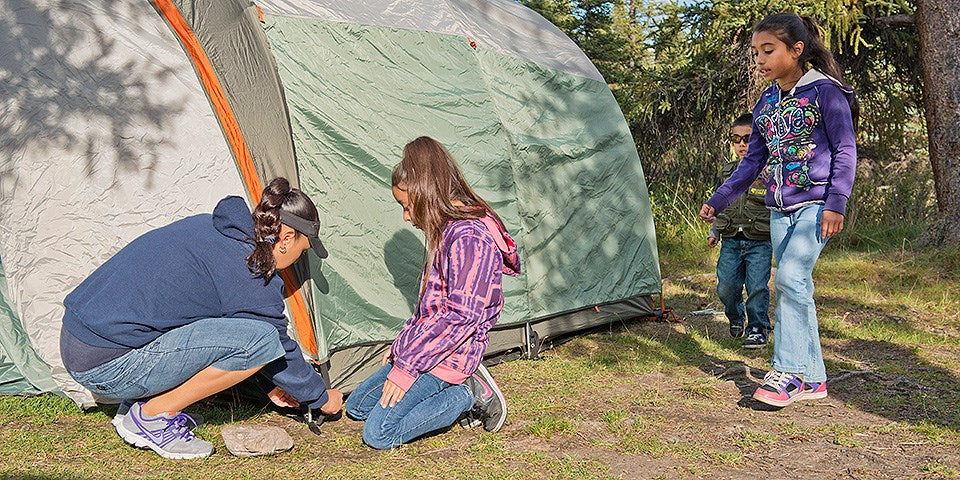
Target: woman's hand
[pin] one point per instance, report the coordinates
(392, 394)
(831, 223)
(281, 398)
(707, 212)
(712, 241)
(334, 402)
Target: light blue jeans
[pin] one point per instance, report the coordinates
(172, 358)
(745, 263)
(797, 246)
(430, 404)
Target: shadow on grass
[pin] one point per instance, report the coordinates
(889, 377)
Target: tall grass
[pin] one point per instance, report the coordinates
(681, 236)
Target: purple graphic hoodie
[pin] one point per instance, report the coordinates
(447, 335)
(803, 147)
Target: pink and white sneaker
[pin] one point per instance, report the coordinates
(814, 390)
(779, 389)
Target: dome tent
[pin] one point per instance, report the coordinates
(142, 113)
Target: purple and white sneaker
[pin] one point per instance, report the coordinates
(814, 390)
(168, 435)
(125, 405)
(489, 407)
(779, 389)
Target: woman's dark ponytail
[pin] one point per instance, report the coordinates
(266, 227)
(266, 223)
(790, 29)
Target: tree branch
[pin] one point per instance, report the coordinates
(901, 20)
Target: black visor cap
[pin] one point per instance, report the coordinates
(306, 227)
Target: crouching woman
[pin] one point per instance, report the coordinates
(190, 309)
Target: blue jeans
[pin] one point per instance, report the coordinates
(745, 263)
(226, 343)
(429, 405)
(797, 246)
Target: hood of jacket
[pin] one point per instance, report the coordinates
(232, 218)
(813, 78)
(508, 247)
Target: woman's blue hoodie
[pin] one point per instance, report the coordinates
(192, 269)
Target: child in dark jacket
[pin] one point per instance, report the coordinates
(190, 309)
(745, 252)
(432, 374)
(804, 147)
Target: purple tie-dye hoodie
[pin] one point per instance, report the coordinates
(803, 146)
(447, 335)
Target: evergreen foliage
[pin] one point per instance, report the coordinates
(682, 71)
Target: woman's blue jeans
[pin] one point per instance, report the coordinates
(430, 404)
(796, 247)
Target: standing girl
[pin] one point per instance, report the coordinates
(804, 148)
(190, 309)
(432, 374)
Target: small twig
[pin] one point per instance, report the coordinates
(848, 375)
(696, 275)
(913, 444)
(437, 450)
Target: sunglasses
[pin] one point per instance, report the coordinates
(734, 138)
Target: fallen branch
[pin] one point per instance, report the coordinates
(902, 20)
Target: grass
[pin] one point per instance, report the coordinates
(641, 400)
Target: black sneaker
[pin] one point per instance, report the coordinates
(756, 338)
(489, 407)
(737, 328)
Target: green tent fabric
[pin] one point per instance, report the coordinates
(549, 150)
(21, 370)
(108, 124)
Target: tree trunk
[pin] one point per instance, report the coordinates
(938, 23)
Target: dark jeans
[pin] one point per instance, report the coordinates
(745, 263)
(430, 404)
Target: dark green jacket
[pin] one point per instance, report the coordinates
(747, 214)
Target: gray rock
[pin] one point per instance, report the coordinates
(255, 440)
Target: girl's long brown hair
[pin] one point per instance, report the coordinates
(790, 28)
(433, 181)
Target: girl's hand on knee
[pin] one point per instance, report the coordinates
(281, 398)
(391, 394)
(831, 223)
(334, 402)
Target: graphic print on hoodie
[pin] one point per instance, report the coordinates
(462, 300)
(788, 125)
(803, 147)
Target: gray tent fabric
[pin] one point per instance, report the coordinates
(500, 25)
(232, 37)
(104, 90)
